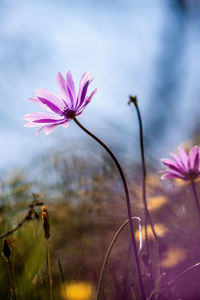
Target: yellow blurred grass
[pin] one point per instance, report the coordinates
(157, 202)
(160, 230)
(173, 257)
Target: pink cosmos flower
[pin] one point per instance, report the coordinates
(184, 166)
(62, 108)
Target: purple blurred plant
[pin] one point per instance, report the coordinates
(186, 167)
(65, 107)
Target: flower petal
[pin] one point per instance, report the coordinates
(45, 94)
(39, 115)
(87, 100)
(31, 124)
(194, 158)
(183, 157)
(171, 164)
(51, 105)
(71, 85)
(63, 89)
(84, 92)
(65, 125)
(172, 174)
(39, 103)
(178, 161)
(49, 128)
(85, 77)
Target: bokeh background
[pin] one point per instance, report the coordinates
(147, 48)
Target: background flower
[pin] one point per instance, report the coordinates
(184, 166)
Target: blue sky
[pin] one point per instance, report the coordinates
(117, 41)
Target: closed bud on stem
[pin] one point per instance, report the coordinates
(6, 249)
(45, 220)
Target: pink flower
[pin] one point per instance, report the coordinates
(62, 109)
(184, 166)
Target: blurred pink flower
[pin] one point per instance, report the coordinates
(184, 166)
(64, 108)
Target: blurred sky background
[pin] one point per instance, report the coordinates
(150, 48)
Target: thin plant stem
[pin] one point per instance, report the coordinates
(12, 278)
(110, 249)
(144, 173)
(49, 272)
(195, 197)
(133, 100)
(127, 202)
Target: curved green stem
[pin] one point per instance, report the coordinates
(127, 202)
(110, 249)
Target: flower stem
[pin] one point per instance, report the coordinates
(133, 100)
(127, 202)
(109, 251)
(196, 197)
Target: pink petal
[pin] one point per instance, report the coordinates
(168, 176)
(172, 174)
(85, 77)
(65, 125)
(183, 157)
(62, 87)
(43, 93)
(31, 124)
(194, 157)
(39, 115)
(87, 100)
(84, 92)
(39, 103)
(71, 85)
(51, 105)
(171, 164)
(47, 130)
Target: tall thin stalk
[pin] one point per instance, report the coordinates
(127, 203)
(133, 99)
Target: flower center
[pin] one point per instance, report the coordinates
(69, 113)
(192, 174)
